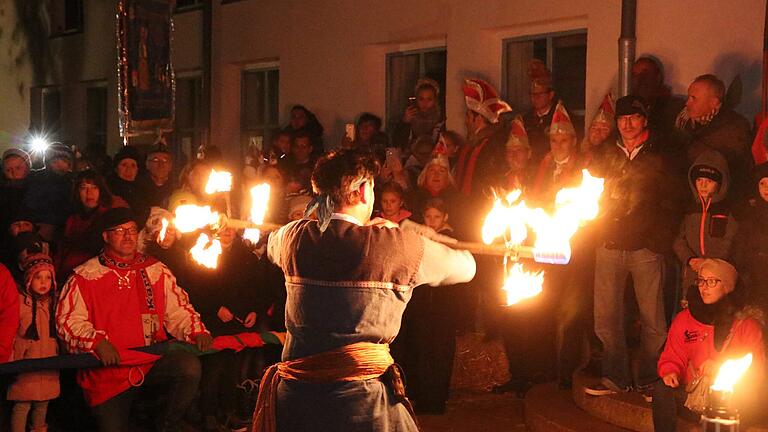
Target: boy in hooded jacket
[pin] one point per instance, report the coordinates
(708, 228)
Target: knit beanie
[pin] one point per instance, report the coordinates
(706, 171)
(724, 270)
(34, 264)
(18, 153)
(58, 150)
(126, 152)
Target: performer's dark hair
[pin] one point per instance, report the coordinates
(335, 171)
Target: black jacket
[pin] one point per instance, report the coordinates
(642, 203)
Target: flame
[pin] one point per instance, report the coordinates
(259, 203)
(163, 230)
(218, 181)
(190, 217)
(730, 373)
(206, 251)
(511, 219)
(521, 284)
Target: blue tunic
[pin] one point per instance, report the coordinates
(351, 284)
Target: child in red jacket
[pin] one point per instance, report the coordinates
(716, 326)
(36, 338)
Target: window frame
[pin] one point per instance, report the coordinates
(262, 68)
(193, 7)
(74, 31)
(549, 37)
(421, 52)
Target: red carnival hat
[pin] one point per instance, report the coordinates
(484, 100)
(561, 121)
(518, 137)
(606, 113)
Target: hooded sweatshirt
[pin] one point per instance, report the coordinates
(708, 228)
(750, 246)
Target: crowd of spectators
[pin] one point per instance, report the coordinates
(671, 276)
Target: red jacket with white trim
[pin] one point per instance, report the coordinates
(131, 304)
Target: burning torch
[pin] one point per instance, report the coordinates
(720, 413)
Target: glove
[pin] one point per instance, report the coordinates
(107, 353)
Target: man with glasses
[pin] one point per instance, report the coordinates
(538, 119)
(122, 299)
(156, 185)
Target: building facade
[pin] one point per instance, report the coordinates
(343, 57)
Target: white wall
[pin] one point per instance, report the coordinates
(331, 53)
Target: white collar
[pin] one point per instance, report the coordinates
(347, 218)
(563, 162)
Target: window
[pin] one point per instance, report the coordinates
(259, 110)
(186, 5)
(188, 134)
(96, 117)
(66, 17)
(565, 55)
(403, 71)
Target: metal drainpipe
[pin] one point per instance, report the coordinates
(627, 43)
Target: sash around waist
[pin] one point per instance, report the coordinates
(355, 362)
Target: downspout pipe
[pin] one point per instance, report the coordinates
(627, 43)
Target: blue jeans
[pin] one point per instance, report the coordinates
(612, 266)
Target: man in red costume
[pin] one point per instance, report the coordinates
(122, 299)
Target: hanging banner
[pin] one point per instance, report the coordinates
(146, 83)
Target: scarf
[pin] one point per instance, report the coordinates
(684, 121)
(324, 205)
(720, 315)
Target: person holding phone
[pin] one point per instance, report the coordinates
(422, 117)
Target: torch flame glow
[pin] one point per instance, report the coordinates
(206, 251)
(259, 203)
(730, 373)
(218, 181)
(521, 284)
(191, 217)
(511, 219)
(163, 230)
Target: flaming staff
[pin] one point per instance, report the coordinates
(512, 219)
(190, 217)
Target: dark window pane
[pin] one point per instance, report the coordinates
(96, 117)
(569, 69)
(402, 73)
(540, 49)
(518, 85)
(435, 63)
(253, 99)
(273, 101)
(52, 110)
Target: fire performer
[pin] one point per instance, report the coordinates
(348, 280)
(123, 299)
(716, 326)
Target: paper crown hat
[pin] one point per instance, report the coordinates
(561, 121)
(518, 137)
(483, 99)
(606, 113)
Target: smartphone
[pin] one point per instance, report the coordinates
(412, 101)
(392, 156)
(349, 130)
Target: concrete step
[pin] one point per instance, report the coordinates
(549, 409)
(629, 410)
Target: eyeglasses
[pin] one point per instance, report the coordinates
(125, 231)
(711, 282)
(160, 161)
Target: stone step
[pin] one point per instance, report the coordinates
(628, 410)
(549, 409)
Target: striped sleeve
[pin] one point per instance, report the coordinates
(72, 322)
(181, 319)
